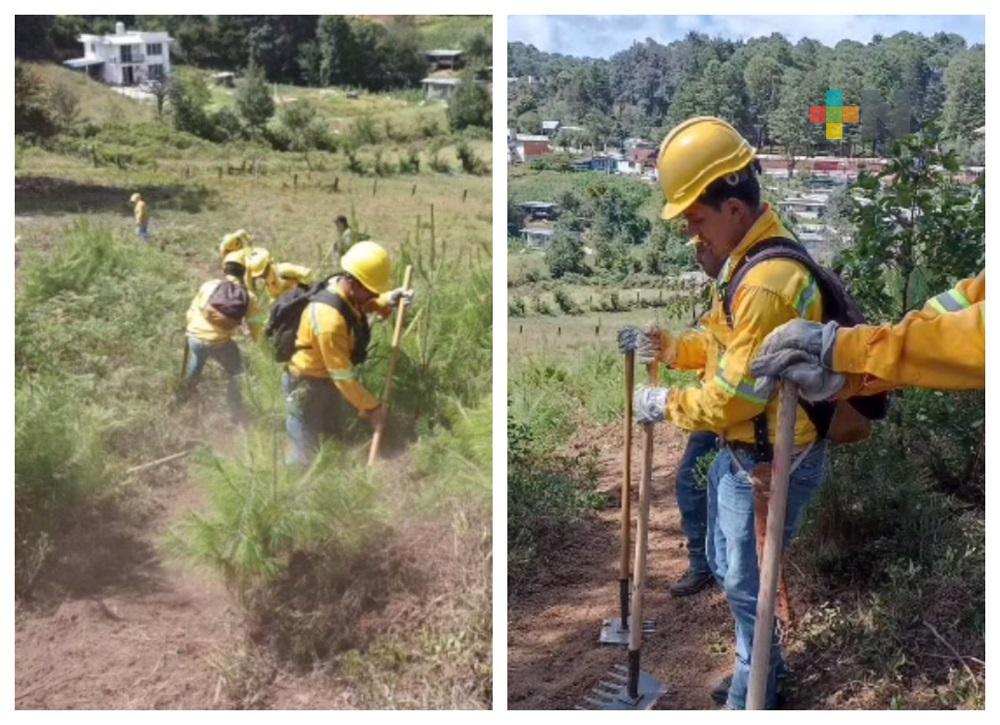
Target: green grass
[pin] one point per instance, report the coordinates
(99, 327)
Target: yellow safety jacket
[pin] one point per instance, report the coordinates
(942, 346)
(205, 323)
(141, 212)
(772, 293)
(696, 350)
(324, 344)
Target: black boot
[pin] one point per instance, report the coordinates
(720, 693)
(691, 583)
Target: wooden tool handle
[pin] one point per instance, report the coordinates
(396, 334)
(626, 503)
(771, 562)
(642, 530)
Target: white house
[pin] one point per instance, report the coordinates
(127, 58)
(440, 88)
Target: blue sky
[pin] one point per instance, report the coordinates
(601, 36)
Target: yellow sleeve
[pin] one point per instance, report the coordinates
(730, 396)
(926, 349)
(692, 350)
(335, 348)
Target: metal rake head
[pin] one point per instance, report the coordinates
(612, 631)
(612, 693)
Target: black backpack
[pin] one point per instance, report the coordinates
(838, 305)
(283, 322)
(231, 300)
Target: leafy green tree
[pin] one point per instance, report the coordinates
(470, 105)
(253, 98)
(667, 251)
(616, 217)
(915, 236)
(965, 94)
(479, 49)
(32, 113)
(565, 254)
(188, 95)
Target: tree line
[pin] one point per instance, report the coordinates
(764, 86)
(298, 49)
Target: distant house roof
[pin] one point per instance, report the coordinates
(529, 138)
(132, 37)
(546, 125)
(537, 205)
(537, 148)
(441, 81)
(642, 155)
(83, 62)
(439, 53)
(981, 130)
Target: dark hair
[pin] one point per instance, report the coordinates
(342, 219)
(743, 186)
(234, 269)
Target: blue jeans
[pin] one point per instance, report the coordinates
(692, 499)
(228, 356)
(315, 412)
(143, 230)
(732, 552)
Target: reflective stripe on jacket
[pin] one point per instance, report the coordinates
(942, 346)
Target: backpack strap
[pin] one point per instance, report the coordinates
(358, 325)
(820, 414)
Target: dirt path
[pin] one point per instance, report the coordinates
(553, 655)
(111, 624)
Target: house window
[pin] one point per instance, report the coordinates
(154, 48)
(155, 72)
(126, 54)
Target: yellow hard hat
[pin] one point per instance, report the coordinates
(693, 155)
(369, 263)
(134, 198)
(258, 260)
(230, 243)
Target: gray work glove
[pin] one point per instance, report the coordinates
(799, 351)
(395, 296)
(646, 344)
(649, 405)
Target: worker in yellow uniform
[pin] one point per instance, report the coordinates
(941, 346)
(320, 381)
(141, 213)
(709, 176)
(214, 319)
(273, 279)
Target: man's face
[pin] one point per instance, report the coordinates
(360, 294)
(718, 231)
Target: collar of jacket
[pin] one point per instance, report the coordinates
(768, 225)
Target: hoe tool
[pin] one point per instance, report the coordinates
(396, 334)
(627, 687)
(615, 630)
(771, 562)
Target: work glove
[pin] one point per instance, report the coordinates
(799, 351)
(649, 405)
(395, 296)
(648, 345)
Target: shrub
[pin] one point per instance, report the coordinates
(439, 165)
(471, 164)
(566, 303)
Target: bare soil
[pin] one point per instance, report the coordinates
(554, 658)
(112, 625)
